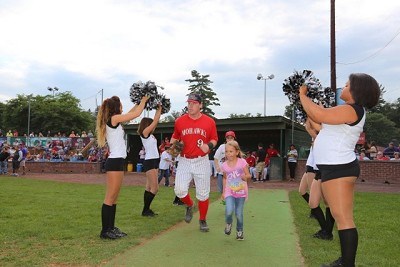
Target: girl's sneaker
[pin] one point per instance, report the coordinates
(239, 235)
(228, 228)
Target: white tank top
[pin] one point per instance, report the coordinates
(335, 143)
(116, 141)
(150, 146)
(310, 159)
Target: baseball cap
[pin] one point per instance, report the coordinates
(230, 133)
(194, 98)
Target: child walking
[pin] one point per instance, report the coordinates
(236, 173)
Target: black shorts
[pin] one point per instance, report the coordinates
(16, 164)
(317, 175)
(114, 164)
(309, 169)
(329, 172)
(150, 164)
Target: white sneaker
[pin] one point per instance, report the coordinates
(228, 228)
(239, 235)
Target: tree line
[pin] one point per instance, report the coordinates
(63, 113)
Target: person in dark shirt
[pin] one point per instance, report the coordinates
(260, 162)
(4, 156)
(389, 151)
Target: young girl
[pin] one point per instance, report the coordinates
(109, 129)
(219, 159)
(151, 160)
(236, 173)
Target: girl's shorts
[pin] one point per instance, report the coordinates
(329, 172)
(114, 164)
(150, 164)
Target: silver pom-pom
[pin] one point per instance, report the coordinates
(139, 89)
(315, 92)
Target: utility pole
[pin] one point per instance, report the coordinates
(29, 120)
(333, 48)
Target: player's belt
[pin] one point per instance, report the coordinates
(191, 157)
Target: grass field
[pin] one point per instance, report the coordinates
(377, 218)
(46, 223)
(53, 223)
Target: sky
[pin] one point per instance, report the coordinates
(93, 46)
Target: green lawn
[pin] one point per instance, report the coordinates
(54, 223)
(377, 218)
(45, 222)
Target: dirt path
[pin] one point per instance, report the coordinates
(133, 178)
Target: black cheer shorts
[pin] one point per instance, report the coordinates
(309, 169)
(329, 172)
(150, 164)
(114, 164)
(317, 175)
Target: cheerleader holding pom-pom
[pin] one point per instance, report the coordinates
(340, 130)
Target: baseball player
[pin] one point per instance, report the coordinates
(198, 133)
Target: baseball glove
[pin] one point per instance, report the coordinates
(176, 149)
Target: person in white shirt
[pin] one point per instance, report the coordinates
(151, 161)
(292, 161)
(165, 165)
(341, 127)
(396, 156)
(109, 128)
(219, 159)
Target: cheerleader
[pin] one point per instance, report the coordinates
(109, 128)
(341, 127)
(151, 160)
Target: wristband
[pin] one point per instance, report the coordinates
(210, 145)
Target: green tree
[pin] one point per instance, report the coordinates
(381, 103)
(172, 117)
(2, 109)
(392, 112)
(288, 111)
(200, 84)
(61, 113)
(380, 129)
(234, 115)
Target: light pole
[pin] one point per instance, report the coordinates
(260, 77)
(55, 89)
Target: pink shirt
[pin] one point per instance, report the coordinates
(234, 185)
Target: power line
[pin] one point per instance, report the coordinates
(374, 54)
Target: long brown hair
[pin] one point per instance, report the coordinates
(109, 107)
(145, 122)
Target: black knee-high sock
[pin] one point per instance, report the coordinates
(112, 219)
(176, 199)
(330, 221)
(148, 198)
(106, 214)
(348, 246)
(319, 215)
(306, 197)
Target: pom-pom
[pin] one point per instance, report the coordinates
(315, 92)
(139, 89)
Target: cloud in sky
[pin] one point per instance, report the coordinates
(84, 46)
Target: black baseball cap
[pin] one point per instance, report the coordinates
(194, 98)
